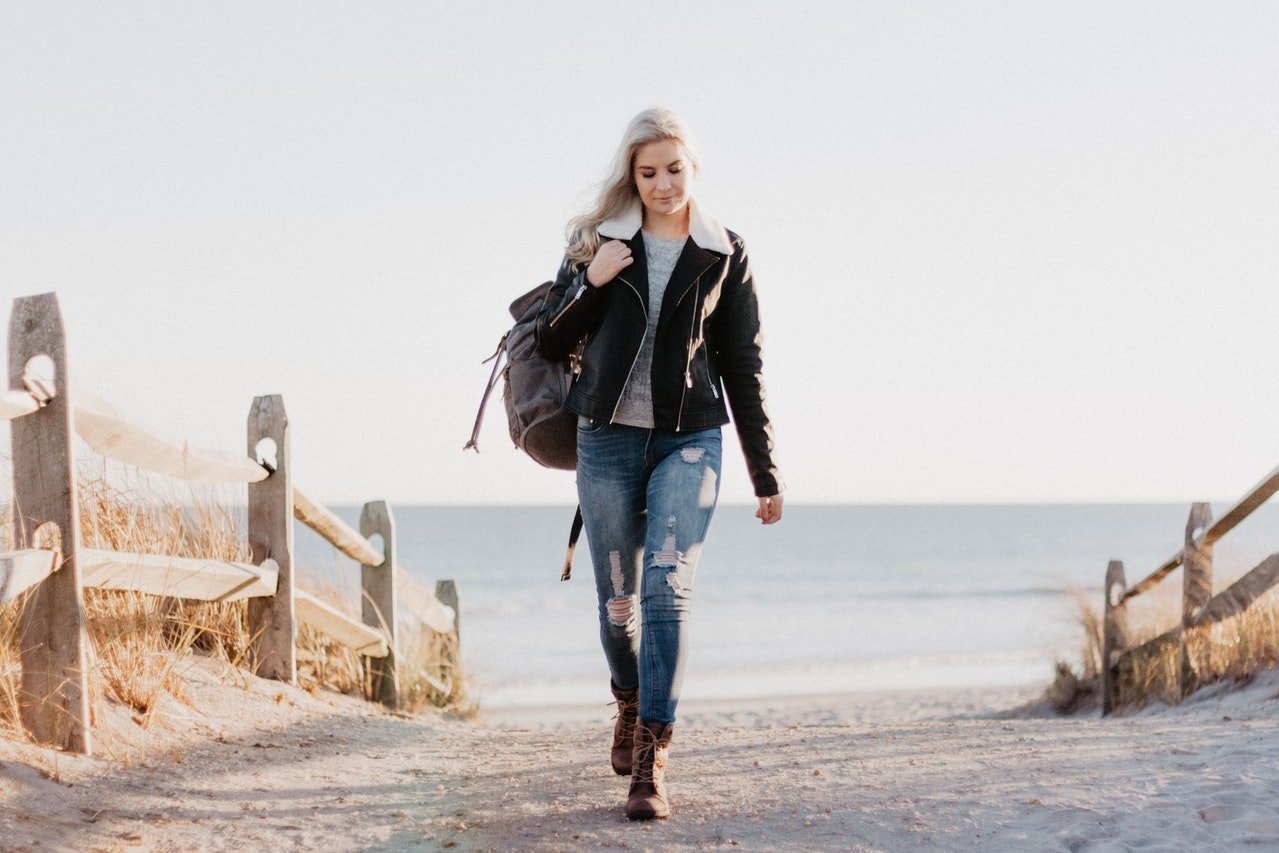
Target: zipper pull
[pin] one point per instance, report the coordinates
(688, 379)
(576, 296)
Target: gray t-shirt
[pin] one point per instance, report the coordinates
(636, 406)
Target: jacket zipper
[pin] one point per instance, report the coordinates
(688, 362)
(581, 288)
(635, 359)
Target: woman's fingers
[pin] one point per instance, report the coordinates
(612, 257)
(770, 509)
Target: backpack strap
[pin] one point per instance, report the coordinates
(496, 358)
(575, 532)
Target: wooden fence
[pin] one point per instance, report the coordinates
(44, 413)
(1199, 609)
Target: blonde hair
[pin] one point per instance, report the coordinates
(617, 191)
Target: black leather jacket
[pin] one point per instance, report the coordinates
(708, 339)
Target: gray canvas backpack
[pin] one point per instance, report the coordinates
(534, 390)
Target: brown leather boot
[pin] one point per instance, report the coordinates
(624, 729)
(647, 798)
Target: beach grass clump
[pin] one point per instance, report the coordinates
(1235, 650)
(324, 662)
(10, 675)
(132, 519)
(432, 676)
(1074, 692)
(137, 642)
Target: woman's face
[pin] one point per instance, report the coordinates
(662, 176)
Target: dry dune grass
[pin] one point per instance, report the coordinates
(138, 641)
(9, 674)
(1236, 650)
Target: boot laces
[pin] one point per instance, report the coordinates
(626, 716)
(645, 764)
(650, 759)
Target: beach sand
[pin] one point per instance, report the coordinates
(251, 765)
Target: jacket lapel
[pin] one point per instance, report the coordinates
(708, 242)
(693, 262)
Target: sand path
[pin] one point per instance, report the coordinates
(276, 769)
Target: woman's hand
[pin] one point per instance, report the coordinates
(611, 258)
(770, 509)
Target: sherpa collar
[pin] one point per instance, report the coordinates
(702, 227)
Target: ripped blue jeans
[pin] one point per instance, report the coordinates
(647, 498)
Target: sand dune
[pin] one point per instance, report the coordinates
(265, 767)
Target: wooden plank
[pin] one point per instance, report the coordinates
(1128, 668)
(428, 609)
(15, 404)
(1256, 496)
(115, 436)
(271, 620)
(21, 570)
(369, 642)
(179, 577)
(53, 647)
(334, 530)
(379, 599)
(1240, 595)
(1173, 563)
(1166, 643)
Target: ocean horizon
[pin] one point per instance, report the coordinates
(834, 599)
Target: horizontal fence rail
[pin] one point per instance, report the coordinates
(1200, 608)
(178, 577)
(43, 412)
(21, 570)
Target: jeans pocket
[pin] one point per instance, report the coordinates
(589, 425)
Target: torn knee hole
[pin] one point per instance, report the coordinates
(669, 555)
(621, 613)
(692, 455)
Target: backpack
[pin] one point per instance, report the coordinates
(534, 391)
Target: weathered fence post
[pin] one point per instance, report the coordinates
(379, 604)
(1196, 570)
(52, 641)
(446, 592)
(272, 618)
(1114, 635)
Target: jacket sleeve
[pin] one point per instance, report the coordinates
(738, 343)
(572, 308)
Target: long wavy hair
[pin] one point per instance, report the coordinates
(617, 191)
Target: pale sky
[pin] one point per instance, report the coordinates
(1007, 251)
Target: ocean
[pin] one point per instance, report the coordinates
(833, 599)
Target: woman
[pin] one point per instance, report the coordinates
(661, 299)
